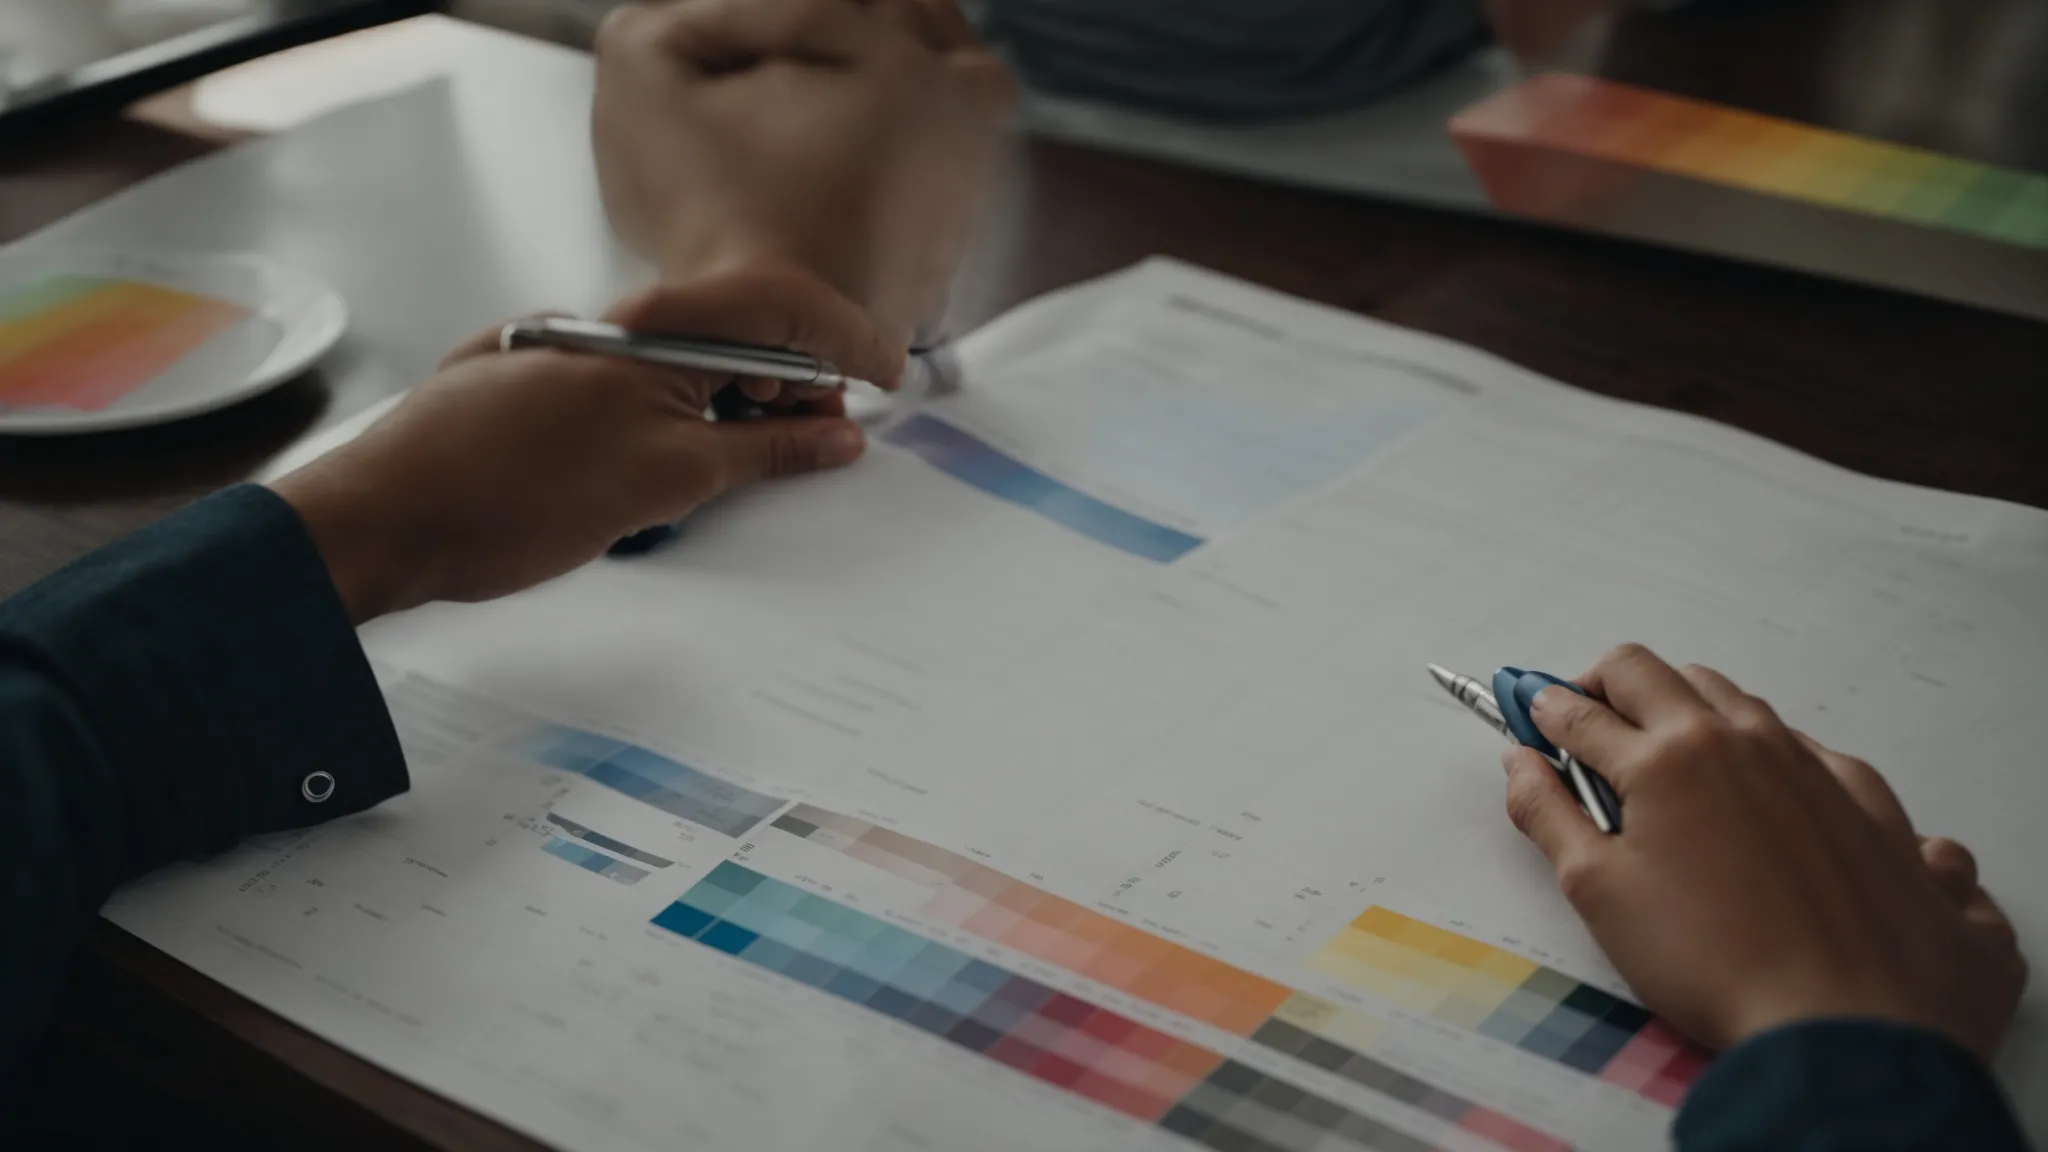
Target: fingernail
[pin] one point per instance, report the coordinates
(1548, 698)
(842, 445)
(1507, 760)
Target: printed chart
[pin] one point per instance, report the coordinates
(84, 342)
(1333, 1037)
(571, 828)
(1162, 439)
(1461, 981)
(1013, 1020)
(580, 845)
(591, 860)
(647, 776)
(973, 461)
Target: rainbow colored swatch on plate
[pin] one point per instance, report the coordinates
(84, 342)
(1523, 144)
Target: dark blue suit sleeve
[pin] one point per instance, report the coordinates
(1846, 1086)
(161, 699)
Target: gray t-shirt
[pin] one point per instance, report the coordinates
(1228, 59)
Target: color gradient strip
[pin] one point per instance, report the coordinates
(571, 828)
(1638, 128)
(649, 777)
(591, 860)
(1046, 1034)
(976, 898)
(972, 896)
(82, 342)
(972, 461)
(1460, 981)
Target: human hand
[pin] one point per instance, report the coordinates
(507, 469)
(852, 139)
(1759, 878)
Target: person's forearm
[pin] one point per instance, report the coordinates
(163, 698)
(1847, 1086)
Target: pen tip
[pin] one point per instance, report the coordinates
(1444, 677)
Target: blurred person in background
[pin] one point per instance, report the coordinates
(1258, 60)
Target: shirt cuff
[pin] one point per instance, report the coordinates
(1846, 1084)
(216, 659)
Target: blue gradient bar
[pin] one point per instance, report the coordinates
(975, 462)
(591, 860)
(649, 777)
(571, 828)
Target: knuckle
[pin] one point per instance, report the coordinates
(1694, 737)
(793, 17)
(702, 474)
(1756, 718)
(619, 30)
(1860, 775)
(789, 455)
(1629, 653)
(713, 475)
(2007, 939)
(1574, 716)
(1578, 877)
(1525, 802)
(1945, 855)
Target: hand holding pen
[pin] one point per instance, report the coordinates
(749, 374)
(1762, 878)
(1505, 709)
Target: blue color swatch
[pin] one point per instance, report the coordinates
(973, 461)
(591, 860)
(571, 828)
(649, 777)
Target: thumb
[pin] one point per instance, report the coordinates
(1545, 812)
(783, 306)
(744, 452)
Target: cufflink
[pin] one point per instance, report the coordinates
(317, 786)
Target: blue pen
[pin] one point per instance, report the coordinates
(1505, 709)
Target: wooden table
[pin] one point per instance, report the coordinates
(1886, 384)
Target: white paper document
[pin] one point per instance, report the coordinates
(1065, 775)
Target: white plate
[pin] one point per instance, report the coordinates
(293, 321)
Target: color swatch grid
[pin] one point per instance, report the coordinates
(1039, 1031)
(1637, 128)
(591, 860)
(571, 828)
(978, 899)
(974, 897)
(649, 777)
(84, 342)
(972, 461)
(1311, 1030)
(1460, 981)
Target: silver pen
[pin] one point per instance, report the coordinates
(1594, 794)
(750, 360)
